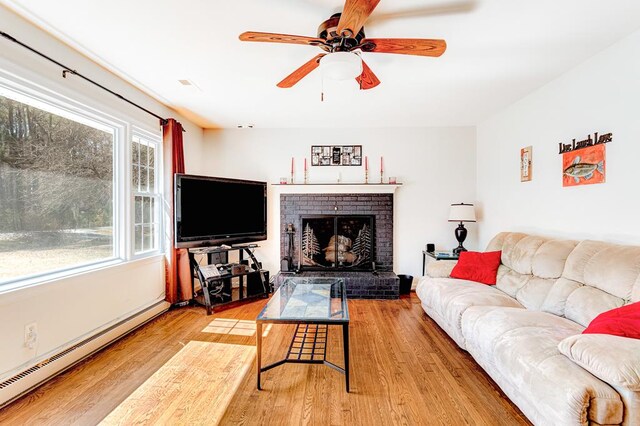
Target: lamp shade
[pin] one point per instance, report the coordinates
(462, 213)
(341, 65)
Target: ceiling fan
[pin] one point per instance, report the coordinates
(342, 37)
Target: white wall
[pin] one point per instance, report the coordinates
(75, 307)
(601, 95)
(435, 165)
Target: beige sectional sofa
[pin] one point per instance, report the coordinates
(526, 330)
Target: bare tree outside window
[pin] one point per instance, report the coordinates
(56, 191)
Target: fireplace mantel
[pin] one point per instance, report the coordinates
(336, 188)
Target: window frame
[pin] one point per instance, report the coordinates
(53, 99)
(156, 193)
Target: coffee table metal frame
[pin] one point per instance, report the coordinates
(309, 341)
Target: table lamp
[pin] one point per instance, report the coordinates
(461, 213)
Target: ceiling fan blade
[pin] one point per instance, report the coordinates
(354, 15)
(279, 38)
(453, 7)
(367, 80)
(300, 73)
(405, 46)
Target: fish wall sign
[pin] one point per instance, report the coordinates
(584, 167)
(585, 143)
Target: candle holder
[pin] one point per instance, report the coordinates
(306, 176)
(366, 176)
(381, 176)
(292, 176)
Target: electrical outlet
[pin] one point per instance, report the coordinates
(31, 335)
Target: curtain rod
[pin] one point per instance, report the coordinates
(67, 70)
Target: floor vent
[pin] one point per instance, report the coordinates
(56, 357)
(17, 377)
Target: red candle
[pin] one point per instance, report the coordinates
(291, 165)
(381, 165)
(366, 163)
(305, 164)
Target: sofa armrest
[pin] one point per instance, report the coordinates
(440, 268)
(613, 359)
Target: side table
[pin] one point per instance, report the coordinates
(437, 255)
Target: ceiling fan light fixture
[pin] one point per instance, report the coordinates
(341, 65)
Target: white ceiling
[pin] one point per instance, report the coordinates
(498, 51)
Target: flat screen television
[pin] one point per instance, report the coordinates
(215, 210)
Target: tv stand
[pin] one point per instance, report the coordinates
(210, 266)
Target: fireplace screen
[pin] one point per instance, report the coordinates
(337, 242)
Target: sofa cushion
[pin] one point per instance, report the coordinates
(586, 303)
(442, 292)
(534, 292)
(533, 255)
(556, 300)
(457, 304)
(510, 281)
(478, 267)
(497, 242)
(550, 258)
(530, 266)
(488, 326)
(529, 290)
(523, 346)
(597, 277)
(623, 321)
(612, 268)
(449, 298)
(518, 252)
(614, 359)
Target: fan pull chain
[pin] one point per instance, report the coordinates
(322, 89)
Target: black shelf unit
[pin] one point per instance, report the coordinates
(218, 291)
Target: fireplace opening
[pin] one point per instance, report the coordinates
(342, 242)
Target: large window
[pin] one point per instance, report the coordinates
(56, 190)
(63, 191)
(146, 197)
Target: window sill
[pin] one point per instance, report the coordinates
(75, 272)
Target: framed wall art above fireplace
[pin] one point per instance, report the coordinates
(336, 155)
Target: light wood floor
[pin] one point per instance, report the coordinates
(405, 370)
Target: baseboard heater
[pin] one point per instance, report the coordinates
(18, 385)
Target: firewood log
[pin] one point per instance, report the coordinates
(343, 256)
(342, 240)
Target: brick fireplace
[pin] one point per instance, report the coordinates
(376, 279)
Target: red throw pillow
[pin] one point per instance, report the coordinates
(623, 321)
(476, 266)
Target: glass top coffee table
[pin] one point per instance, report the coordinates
(312, 304)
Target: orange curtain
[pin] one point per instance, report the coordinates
(177, 273)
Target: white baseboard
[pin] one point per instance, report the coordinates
(34, 375)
